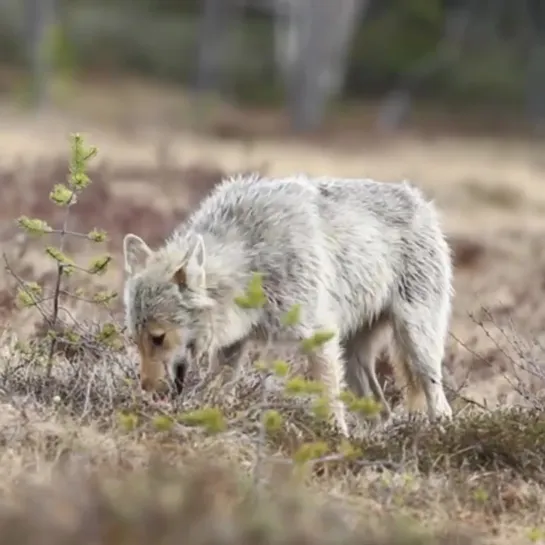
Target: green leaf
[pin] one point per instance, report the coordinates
(128, 421)
(163, 423)
(254, 297)
(320, 408)
(99, 265)
(97, 235)
(60, 258)
(209, 418)
(318, 339)
(348, 450)
(29, 295)
(272, 420)
(280, 368)
(310, 451)
(62, 195)
(300, 385)
(104, 297)
(34, 226)
(293, 316)
(78, 178)
(260, 365)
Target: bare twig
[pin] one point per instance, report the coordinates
(36, 302)
(262, 428)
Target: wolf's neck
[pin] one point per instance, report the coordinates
(227, 264)
(228, 271)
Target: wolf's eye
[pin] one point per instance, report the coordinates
(157, 340)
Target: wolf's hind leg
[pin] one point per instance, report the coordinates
(362, 349)
(420, 344)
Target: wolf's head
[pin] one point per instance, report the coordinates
(167, 309)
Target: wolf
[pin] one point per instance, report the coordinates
(363, 259)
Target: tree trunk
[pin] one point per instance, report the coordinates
(312, 43)
(40, 20)
(218, 17)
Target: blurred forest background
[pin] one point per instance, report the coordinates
(308, 56)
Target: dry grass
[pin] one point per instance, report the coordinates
(112, 470)
(88, 459)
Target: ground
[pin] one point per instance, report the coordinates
(479, 478)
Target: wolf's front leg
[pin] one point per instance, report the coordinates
(326, 365)
(234, 356)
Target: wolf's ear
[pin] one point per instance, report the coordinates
(197, 256)
(191, 272)
(195, 264)
(135, 253)
(180, 277)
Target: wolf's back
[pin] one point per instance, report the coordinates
(351, 232)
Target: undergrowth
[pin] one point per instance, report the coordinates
(209, 506)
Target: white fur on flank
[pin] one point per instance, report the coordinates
(365, 259)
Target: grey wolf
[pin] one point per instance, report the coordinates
(364, 259)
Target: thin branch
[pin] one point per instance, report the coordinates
(21, 284)
(262, 436)
(457, 391)
(60, 271)
(83, 299)
(69, 233)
